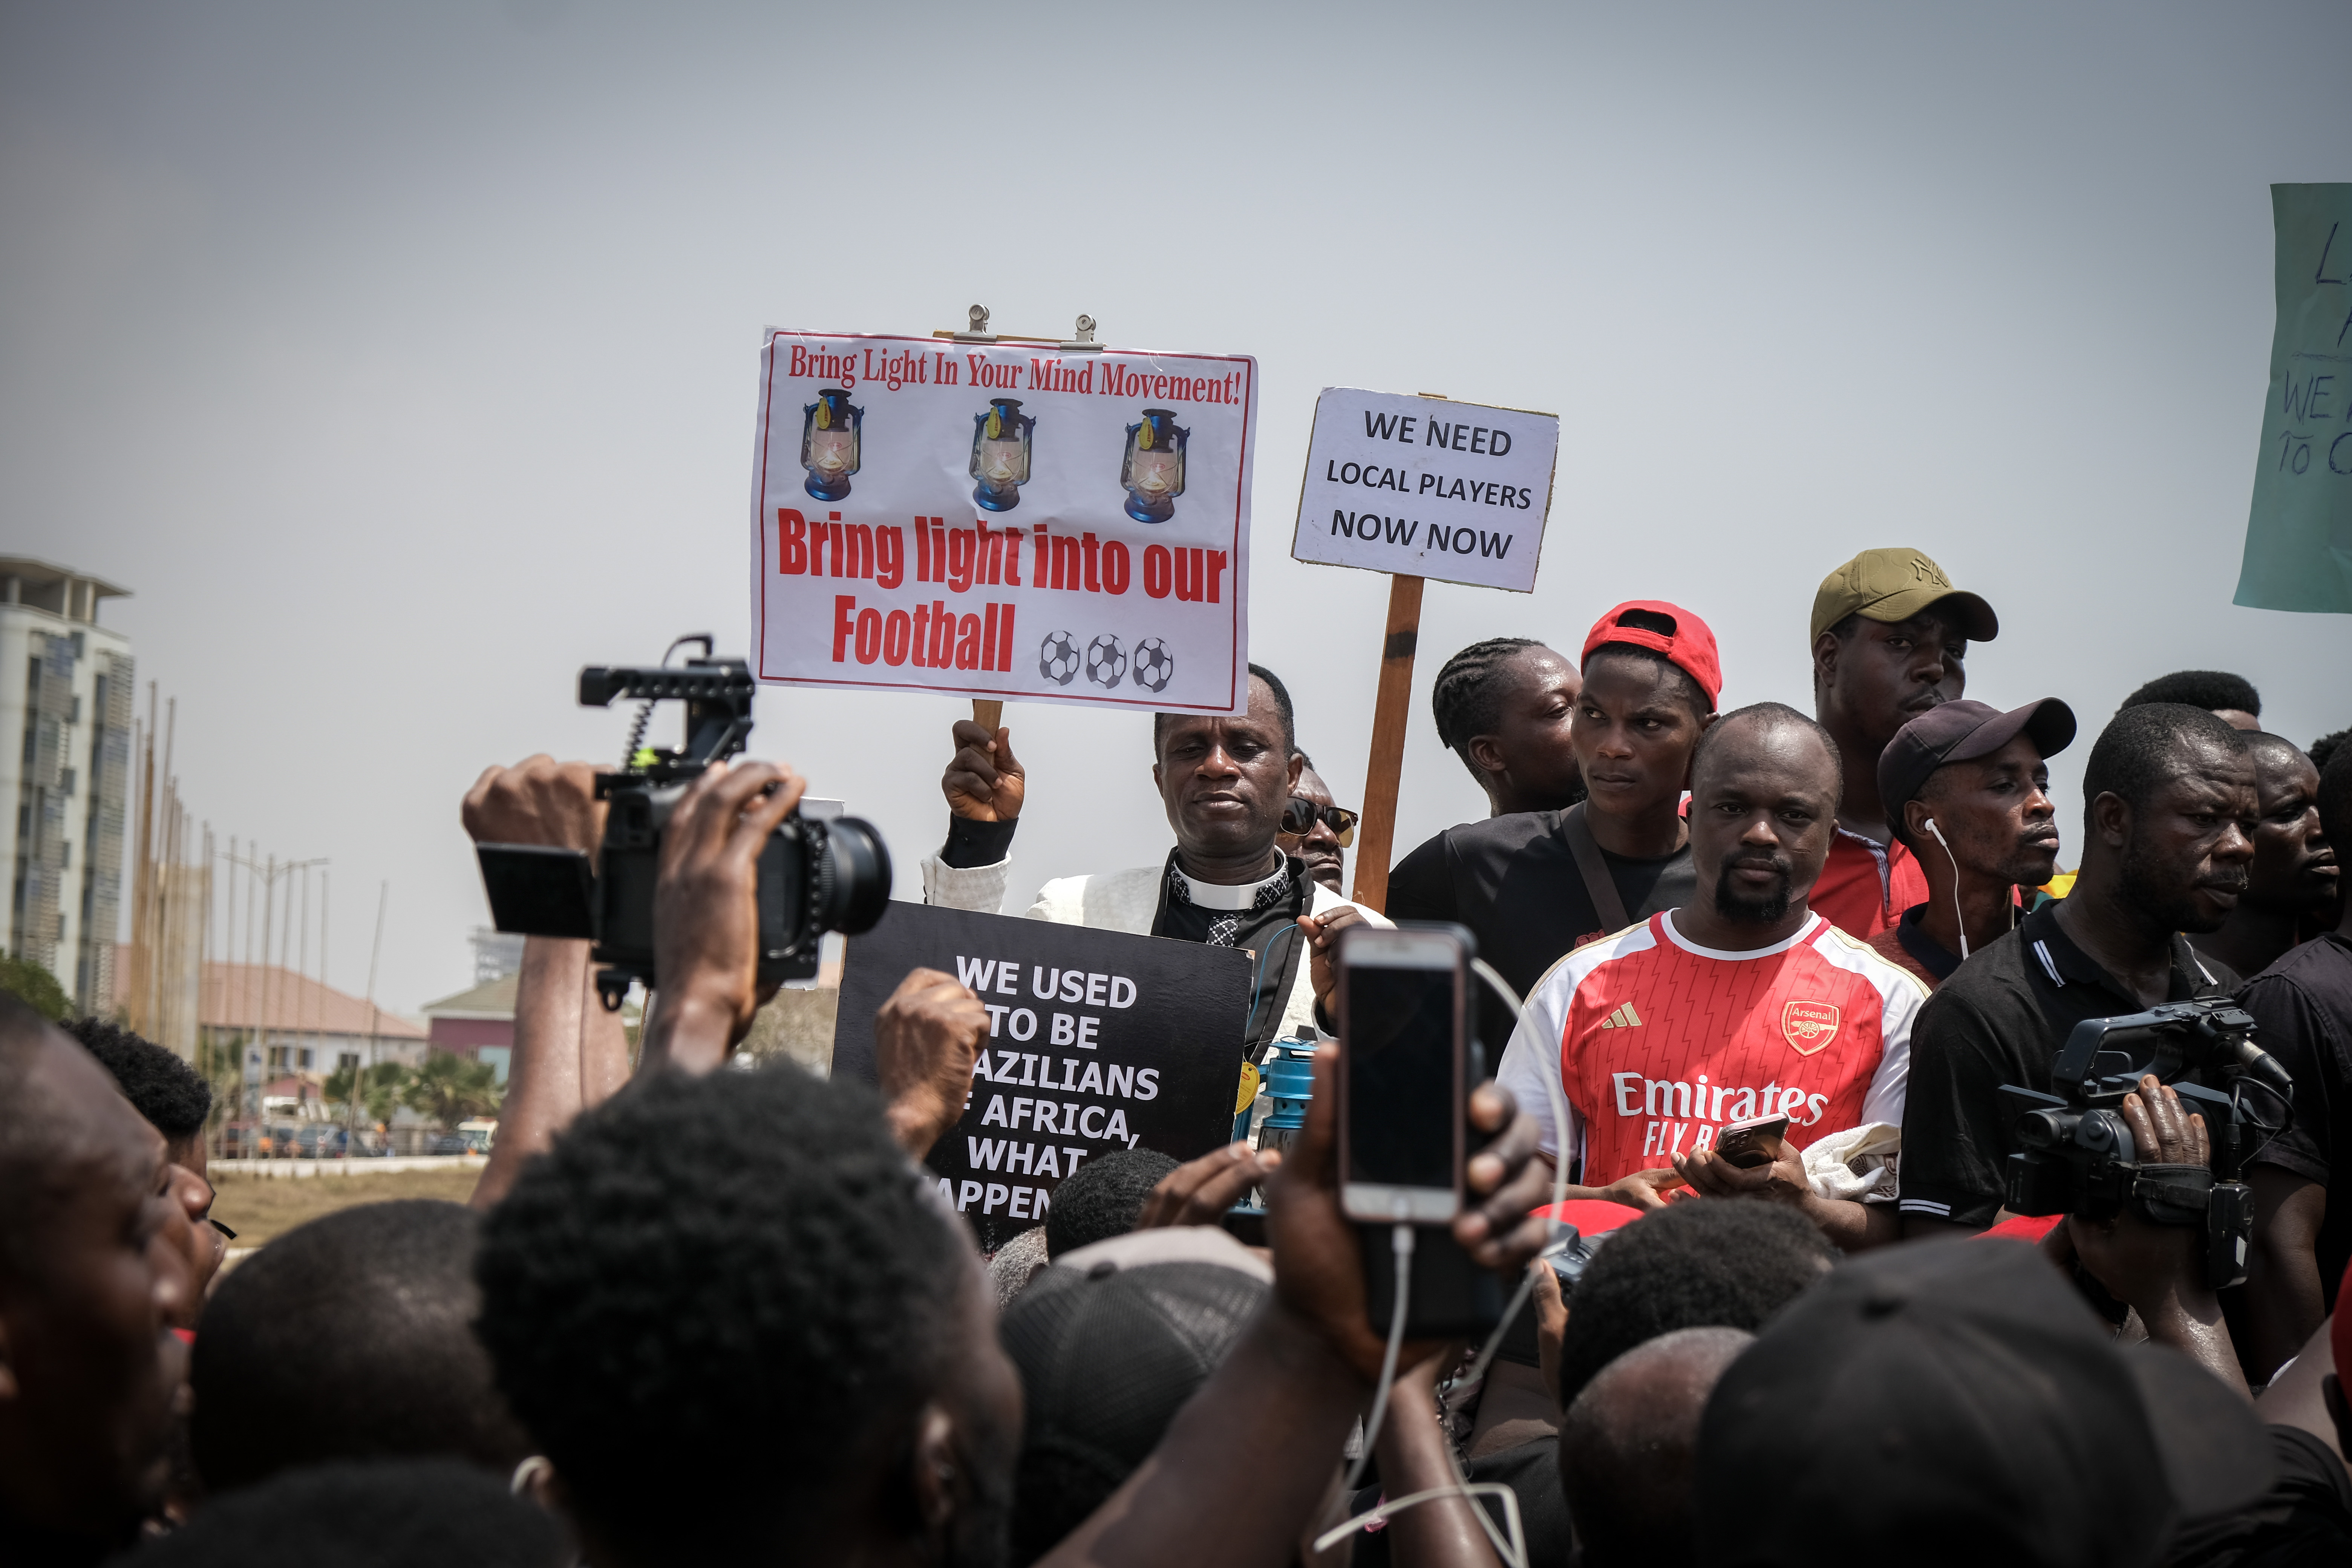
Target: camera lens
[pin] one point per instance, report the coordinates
(852, 875)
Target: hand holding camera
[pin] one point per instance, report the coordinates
(706, 924)
(538, 802)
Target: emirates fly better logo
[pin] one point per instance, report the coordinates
(1809, 1026)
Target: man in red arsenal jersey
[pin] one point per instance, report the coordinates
(1741, 1003)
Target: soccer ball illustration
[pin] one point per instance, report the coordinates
(1057, 657)
(1155, 667)
(1106, 660)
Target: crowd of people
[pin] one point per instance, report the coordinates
(728, 1315)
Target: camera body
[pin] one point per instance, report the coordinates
(815, 875)
(2078, 1155)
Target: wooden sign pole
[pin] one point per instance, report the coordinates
(988, 715)
(1390, 709)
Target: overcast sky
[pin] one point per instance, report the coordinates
(403, 358)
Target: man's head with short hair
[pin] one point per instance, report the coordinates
(2294, 870)
(1225, 779)
(350, 1338)
(391, 1513)
(1318, 846)
(2230, 697)
(88, 1286)
(2335, 798)
(1711, 1263)
(1765, 784)
(1630, 1442)
(1102, 1198)
(2326, 747)
(176, 1101)
(1504, 707)
(2170, 800)
(172, 1095)
(734, 1316)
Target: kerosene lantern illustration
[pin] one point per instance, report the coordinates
(1000, 454)
(1152, 472)
(829, 442)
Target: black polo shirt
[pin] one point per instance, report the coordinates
(2002, 1018)
(2303, 1016)
(1513, 881)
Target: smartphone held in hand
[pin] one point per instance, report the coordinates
(1404, 1121)
(1750, 1144)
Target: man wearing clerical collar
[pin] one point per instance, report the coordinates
(1225, 780)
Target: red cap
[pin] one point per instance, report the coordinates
(1689, 647)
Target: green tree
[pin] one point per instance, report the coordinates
(34, 986)
(382, 1087)
(448, 1090)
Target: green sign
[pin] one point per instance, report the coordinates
(2299, 535)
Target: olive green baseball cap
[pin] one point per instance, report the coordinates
(1895, 585)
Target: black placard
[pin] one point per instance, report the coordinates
(1139, 1045)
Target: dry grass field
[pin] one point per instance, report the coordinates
(259, 1208)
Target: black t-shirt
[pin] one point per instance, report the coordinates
(2304, 1518)
(1513, 881)
(2002, 1018)
(2302, 1012)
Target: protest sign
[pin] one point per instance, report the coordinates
(1097, 1041)
(1003, 519)
(2299, 532)
(1427, 487)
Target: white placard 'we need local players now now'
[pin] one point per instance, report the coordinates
(1424, 487)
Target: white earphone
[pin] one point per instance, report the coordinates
(1960, 919)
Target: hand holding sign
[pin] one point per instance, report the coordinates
(926, 1038)
(984, 781)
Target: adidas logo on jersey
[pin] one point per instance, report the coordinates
(1624, 1018)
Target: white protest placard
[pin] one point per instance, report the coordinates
(1423, 487)
(1003, 519)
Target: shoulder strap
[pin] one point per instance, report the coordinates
(1599, 885)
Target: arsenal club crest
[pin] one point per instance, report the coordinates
(1809, 1026)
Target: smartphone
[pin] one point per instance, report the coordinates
(1746, 1144)
(1403, 1039)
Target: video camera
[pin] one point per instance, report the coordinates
(815, 876)
(2079, 1156)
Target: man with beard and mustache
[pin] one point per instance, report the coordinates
(2167, 837)
(2292, 887)
(1741, 1003)
(1967, 788)
(1891, 636)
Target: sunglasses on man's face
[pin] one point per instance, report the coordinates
(1298, 820)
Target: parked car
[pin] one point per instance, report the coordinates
(448, 1143)
(320, 1140)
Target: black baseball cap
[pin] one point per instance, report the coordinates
(1108, 1353)
(1959, 733)
(1956, 1402)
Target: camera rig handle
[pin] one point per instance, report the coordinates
(2179, 1037)
(717, 695)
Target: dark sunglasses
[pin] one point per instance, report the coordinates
(1298, 820)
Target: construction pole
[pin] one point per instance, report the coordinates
(358, 1074)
